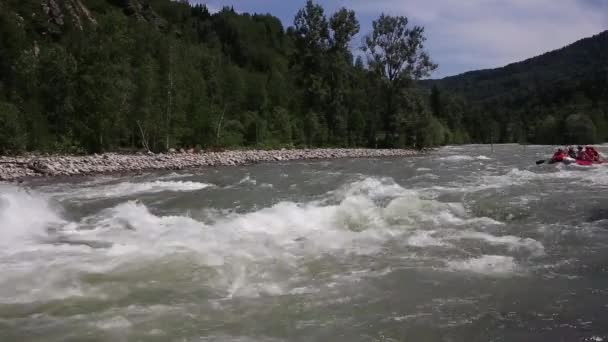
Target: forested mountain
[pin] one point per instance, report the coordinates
(558, 97)
(94, 75)
(98, 75)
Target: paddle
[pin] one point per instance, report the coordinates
(541, 162)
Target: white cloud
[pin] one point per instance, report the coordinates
(491, 33)
(213, 9)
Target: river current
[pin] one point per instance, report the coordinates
(468, 243)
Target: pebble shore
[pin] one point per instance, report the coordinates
(30, 166)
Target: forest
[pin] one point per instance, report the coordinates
(86, 76)
(560, 97)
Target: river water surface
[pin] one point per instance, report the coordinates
(466, 244)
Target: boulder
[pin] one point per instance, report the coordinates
(41, 167)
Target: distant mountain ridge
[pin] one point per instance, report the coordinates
(558, 97)
(583, 61)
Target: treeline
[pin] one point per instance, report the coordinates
(99, 75)
(167, 74)
(560, 97)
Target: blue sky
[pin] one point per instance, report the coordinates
(465, 35)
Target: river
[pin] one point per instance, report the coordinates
(465, 244)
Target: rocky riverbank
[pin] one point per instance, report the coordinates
(16, 168)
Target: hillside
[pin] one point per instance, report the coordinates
(584, 60)
(93, 75)
(106, 75)
(571, 80)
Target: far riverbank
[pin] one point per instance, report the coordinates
(30, 166)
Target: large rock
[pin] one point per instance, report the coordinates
(142, 11)
(41, 167)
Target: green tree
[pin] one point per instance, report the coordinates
(311, 36)
(280, 127)
(396, 54)
(344, 26)
(435, 133)
(167, 74)
(580, 129)
(12, 135)
(396, 51)
(548, 131)
(436, 103)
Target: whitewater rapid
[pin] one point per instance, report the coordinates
(132, 252)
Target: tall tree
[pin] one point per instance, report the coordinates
(344, 26)
(311, 35)
(396, 54)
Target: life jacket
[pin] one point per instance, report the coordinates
(558, 156)
(583, 156)
(592, 154)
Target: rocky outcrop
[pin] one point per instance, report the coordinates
(54, 12)
(15, 168)
(142, 11)
(78, 9)
(60, 11)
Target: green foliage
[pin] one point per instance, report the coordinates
(280, 126)
(435, 133)
(396, 51)
(580, 129)
(344, 26)
(396, 55)
(549, 130)
(171, 75)
(12, 134)
(532, 100)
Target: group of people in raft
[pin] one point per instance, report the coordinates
(588, 154)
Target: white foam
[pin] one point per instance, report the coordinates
(24, 216)
(355, 224)
(114, 323)
(410, 317)
(248, 180)
(410, 209)
(513, 177)
(486, 264)
(241, 254)
(596, 175)
(512, 242)
(462, 157)
(175, 175)
(425, 239)
(126, 189)
(426, 176)
(457, 158)
(373, 188)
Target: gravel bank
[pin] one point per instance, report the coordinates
(16, 168)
